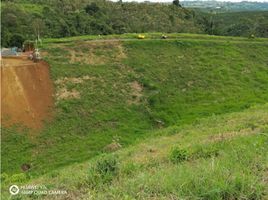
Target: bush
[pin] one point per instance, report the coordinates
(107, 165)
(28, 45)
(104, 170)
(178, 155)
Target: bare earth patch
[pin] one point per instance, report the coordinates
(136, 92)
(96, 53)
(26, 92)
(73, 80)
(63, 92)
(114, 146)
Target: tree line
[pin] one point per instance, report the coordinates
(28, 19)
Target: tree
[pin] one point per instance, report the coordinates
(38, 27)
(5, 38)
(78, 17)
(92, 8)
(16, 40)
(262, 29)
(176, 3)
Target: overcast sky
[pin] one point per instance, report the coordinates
(186, 0)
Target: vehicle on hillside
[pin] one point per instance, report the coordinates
(141, 36)
(163, 37)
(36, 55)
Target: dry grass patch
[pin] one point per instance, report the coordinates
(64, 93)
(96, 52)
(74, 80)
(135, 93)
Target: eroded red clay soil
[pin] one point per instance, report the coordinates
(26, 92)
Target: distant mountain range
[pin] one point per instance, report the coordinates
(227, 6)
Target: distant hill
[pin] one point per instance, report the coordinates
(226, 6)
(24, 19)
(243, 23)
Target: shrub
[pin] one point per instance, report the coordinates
(178, 155)
(104, 170)
(107, 165)
(28, 45)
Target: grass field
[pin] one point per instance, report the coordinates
(219, 157)
(183, 90)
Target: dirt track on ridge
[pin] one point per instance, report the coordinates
(26, 92)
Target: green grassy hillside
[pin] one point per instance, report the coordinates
(220, 157)
(121, 91)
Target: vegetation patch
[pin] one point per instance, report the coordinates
(95, 53)
(114, 146)
(62, 84)
(178, 155)
(136, 93)
(103, 171)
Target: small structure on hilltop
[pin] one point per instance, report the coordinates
(31, 46)
(36, 55)
(9, 51)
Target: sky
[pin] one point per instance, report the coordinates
(186, 0)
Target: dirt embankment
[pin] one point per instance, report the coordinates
(26, 92)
